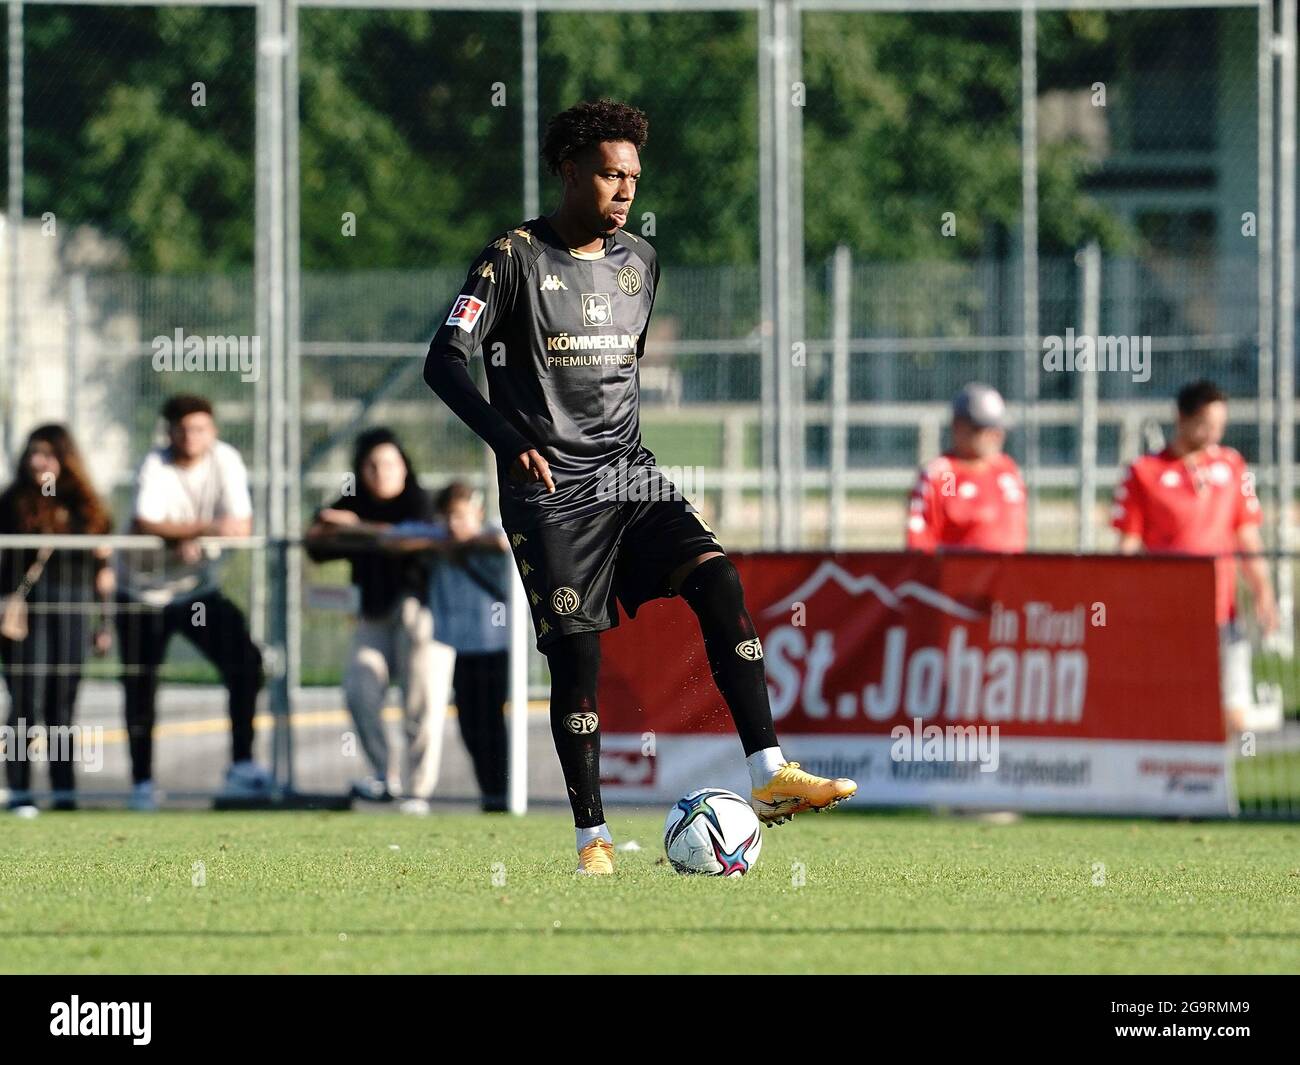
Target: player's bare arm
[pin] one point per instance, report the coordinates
(1255, 570)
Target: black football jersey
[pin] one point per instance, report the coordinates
(561, 334)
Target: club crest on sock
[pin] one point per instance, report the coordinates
(583, 724)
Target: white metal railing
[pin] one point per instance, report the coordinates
(282, 688)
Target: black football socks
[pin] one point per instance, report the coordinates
(713, 591)
(575, 725)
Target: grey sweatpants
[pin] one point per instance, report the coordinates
(399, 648)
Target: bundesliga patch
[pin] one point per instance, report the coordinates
(465, 312)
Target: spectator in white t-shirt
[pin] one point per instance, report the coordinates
(196, 486)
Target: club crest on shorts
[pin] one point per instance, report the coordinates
(583, 724)
(750, 650)
(564, 600)
(629, 280)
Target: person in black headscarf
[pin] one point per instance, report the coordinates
(394, 639)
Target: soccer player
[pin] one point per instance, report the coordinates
(560, 306)
(972, 496)
(1196, 497)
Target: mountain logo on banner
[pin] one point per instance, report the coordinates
(855, 586)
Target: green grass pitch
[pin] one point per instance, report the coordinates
(900, 893)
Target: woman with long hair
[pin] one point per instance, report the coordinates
(51, 591)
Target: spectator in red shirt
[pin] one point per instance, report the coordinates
(972, 496)
(1196, 497)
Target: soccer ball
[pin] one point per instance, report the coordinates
(712, 832)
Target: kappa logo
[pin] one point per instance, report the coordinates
(565, 601)
(583, 724)
(629, 280)
(596, 310)
(465, 312)
(750, 650)
(486, 271)
(552, 283)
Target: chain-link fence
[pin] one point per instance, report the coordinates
(883, 191)
(854, 209)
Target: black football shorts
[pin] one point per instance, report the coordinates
(574, 570)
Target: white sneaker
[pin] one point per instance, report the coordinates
(26, 811)
(143, 797)
(248, 779)
(417, 807)
(371, 789)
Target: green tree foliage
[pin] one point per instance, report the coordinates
(696, 78)
(905, 117)
(411, 121)
(113, 140)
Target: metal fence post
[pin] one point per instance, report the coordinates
(1029, 250)
(13, 230)
(1090, 302)
(838, 415)
(292, 357)
(1286, 311)
(272, 207)
(1264, 403)
(517, 783)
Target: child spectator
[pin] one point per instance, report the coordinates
(469, 598)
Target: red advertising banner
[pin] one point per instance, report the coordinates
(1078, 673)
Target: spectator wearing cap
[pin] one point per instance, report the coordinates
(972, 497)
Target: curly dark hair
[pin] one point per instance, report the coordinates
(1197, 395)
(573, 131)
(182, 406)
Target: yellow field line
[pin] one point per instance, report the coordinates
(212, 726)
